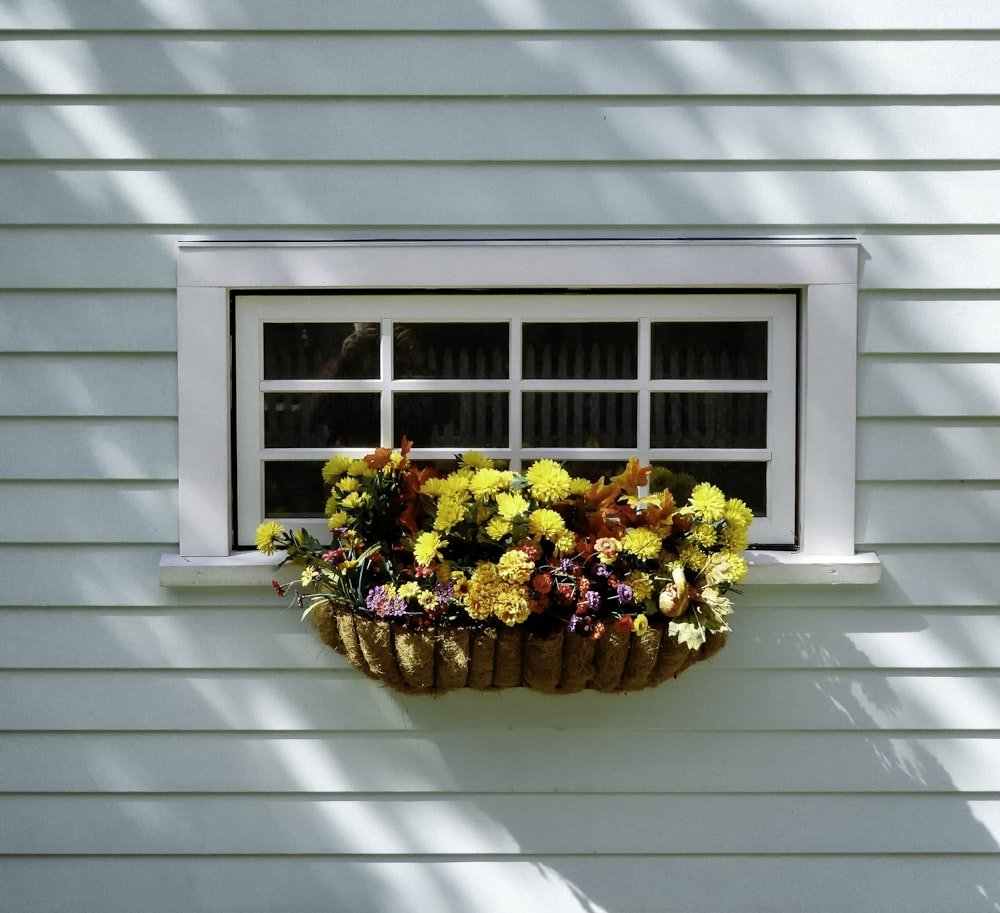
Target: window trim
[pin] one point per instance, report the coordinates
(823, 270)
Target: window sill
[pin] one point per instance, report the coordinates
(252, 569)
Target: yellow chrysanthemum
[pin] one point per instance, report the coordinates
(642, 587)
(641, 625)
(434, 487)
(358, 468)
(578, 486)
(497, 528)
(473, 459)
(511, 505)
(565, 544)
(708, 502)
(335, 467)
(691, 556)
(703, 534)
(449, 512)
(355, 500)
(512, 606)
(486, 483)
(549, 481)
(515, 567)
(485, 586)
(734, 539)
(266, 537)
(546, 523)
(349, 484)
(337, 520)
(737, 514)
(427, 548)
(642, 542)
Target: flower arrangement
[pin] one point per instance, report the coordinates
(486, 549)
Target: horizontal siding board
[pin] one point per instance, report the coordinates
(475, 760)
(456, 129)
(88, 322)
(905, 324)
(926, 387)
(365, 15)
(495, 65)
(89, 511)
(240, 638)
(628, 884)
(144, 258)
(703, 698)
(901, 512)
(928, 449)
(506, 825)
(89, 448)
(97, 385)
(527, 194)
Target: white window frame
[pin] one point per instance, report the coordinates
(822, 270)
(777, 310)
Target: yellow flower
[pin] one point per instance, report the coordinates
(349, 484)
(546, 523)
(358, 468)
(450, 511)
(497, 528)
(266, 537)
(335, 467)
(703, 534)
(566, 544)
(486, 483)
(734, 539)
(511, 505)
(427, 548)
(708, 501)
(337, 520)
(692, 557)
(309, 575)
(642, 542)
(642, 587)
(473, 459)
(737, 514)
(549, 481)
(515, 566)
(641, 625)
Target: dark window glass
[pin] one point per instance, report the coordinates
(321, 351)
(708, 420)
(563, 351)
(476, 351)
(709, 350)
(294, 488)
(321, 419)
(578, 419)
(461, 421)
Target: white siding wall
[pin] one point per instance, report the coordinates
(172, 751)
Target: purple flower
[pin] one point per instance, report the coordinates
(593, 600)
(602, 570)
(625, 595)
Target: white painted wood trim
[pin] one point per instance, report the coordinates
(252, 569)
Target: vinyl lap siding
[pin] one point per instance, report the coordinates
(177, 751)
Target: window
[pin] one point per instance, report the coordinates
(581, 351)
(700, 385)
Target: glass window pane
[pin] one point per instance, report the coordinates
(461, 421)
(562, 351)
(475, 351)
(578, 419)
(321, 351)
(708, 349)
(294, 489)
(708, 420)
(746, 481)
(321, 419)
